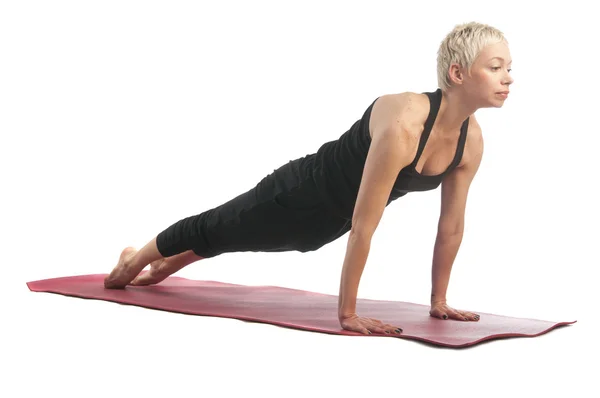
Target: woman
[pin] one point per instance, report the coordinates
(403, 143)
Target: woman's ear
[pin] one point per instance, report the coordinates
(455, 73)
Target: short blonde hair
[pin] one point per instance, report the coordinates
(462, 46)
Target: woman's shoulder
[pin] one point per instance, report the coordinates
(406, 110)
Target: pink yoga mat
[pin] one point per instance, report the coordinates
(295, 309)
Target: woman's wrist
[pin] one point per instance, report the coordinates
(437, 299)
(345, 311)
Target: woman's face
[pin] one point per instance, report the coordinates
(490, 76)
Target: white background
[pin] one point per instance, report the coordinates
(119, 118)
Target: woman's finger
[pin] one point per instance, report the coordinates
(438, 313)
(393, 329)
(457, 315)
(360, 329)
(376, 329)
(473, 317)
(468, 316)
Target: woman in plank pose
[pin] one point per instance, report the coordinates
(403, 142)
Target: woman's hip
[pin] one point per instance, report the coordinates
(284, 211)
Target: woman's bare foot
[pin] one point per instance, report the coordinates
(154, 275)
(162, 268)
(115, 279)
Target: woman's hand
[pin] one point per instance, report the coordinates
(443, 311)
(358, 324)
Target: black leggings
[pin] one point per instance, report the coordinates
(283, 212)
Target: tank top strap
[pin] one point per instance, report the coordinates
(462, 139)
(435, 100)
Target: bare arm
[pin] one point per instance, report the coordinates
(390, 151)
(455, 189)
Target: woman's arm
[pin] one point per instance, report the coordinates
(455, 189)
(391, 150)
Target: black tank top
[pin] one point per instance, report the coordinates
(337, 166)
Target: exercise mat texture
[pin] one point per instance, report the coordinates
(295, 309)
